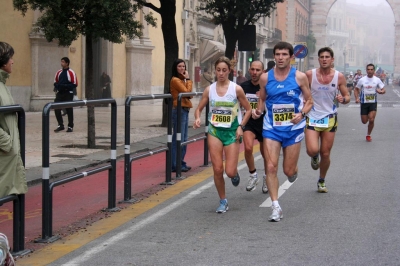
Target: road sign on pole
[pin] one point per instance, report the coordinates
(300, 51)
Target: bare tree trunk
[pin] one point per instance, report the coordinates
(90, 93)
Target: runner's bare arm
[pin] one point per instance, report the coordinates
(244, 103)
(344, 96)
(263, 95)
(304, 85)
(203, 102)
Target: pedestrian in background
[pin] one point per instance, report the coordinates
(65, 83)
(105, 82)
(225, 131)
(180, 83)
(12, 171)
(240, 79)
(270, 65)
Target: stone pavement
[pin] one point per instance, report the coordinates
(68, 152)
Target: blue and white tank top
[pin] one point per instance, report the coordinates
(284, 99)
(224, 110)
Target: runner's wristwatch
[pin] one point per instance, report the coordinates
(241, 126)
(303, 114)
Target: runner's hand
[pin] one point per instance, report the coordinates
(197, 123)
(297, 118)
(255, 114)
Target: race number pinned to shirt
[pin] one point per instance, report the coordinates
(369, 95)
(323, 122)
(282, 114)
(253, 100)
(221, 117)
(369, 98)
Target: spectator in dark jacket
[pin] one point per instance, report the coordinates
(65, 83)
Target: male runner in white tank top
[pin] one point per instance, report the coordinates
(325, 84)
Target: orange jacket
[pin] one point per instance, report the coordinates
(177, 86)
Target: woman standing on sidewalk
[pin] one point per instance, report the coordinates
(180, 83)
(12, 171)
(225, 131)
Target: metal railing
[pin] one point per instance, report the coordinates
(47, 188)
(18, 200)
(127, 157)
(179, 142)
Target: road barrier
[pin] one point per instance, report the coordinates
(47, 188)
(179, 142)
(127, 155)
(18, 200)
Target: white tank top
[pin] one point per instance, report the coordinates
(323, 96)
(224, 110)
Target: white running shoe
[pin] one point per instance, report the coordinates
(252, 183)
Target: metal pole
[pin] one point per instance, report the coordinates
(168, 154)
(178, 137)
(127, 168)
(112, 176)
(206, 134)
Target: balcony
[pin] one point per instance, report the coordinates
(300, 38)
(276, 36)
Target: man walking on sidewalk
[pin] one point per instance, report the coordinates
(65, 83)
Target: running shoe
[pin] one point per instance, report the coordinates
(264, 186)
(236, 180)
(293, 178)
(252, 183)
(321, 187)
(223, 206)
(276, 215)
(315, 162)
(368, 138)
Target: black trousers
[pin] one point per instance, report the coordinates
(65, 97)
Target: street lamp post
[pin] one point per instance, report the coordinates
(344, 62)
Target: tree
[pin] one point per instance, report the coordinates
(66, 20)
(311, 41)
(234, 14)
(167, 12)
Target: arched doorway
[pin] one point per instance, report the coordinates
(318, 23)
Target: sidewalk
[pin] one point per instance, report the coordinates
(68, 152)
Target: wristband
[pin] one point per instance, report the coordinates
(240, 125)
(344, 100)
(303, 114)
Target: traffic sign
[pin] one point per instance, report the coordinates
(300, 51)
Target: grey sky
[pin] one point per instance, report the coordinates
(367, 2)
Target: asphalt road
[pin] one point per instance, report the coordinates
(355, 223)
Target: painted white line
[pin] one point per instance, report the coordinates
(282, 189)
(132, 229)
(353, 105)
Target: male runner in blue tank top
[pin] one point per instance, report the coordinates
(286, 98)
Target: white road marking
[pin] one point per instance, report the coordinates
(397, 92)
(282, 189)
